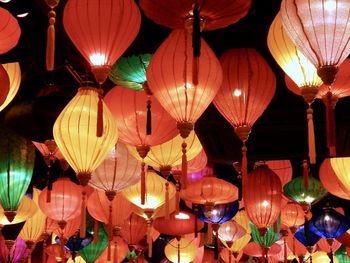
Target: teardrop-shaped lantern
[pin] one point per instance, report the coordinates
(241, 100)
(116, 24)
(263, 207)
(182, 250)
(14, 73)
(10, 31)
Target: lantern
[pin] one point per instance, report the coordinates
(307, 237)
(5, 85)
(10, 31)
(305, 196)
(182, 250)
(228, 257)
(323, 257)
(342, 255)
(133, 229)
(16, 253)
(292, 216)
(254, 250)
(271, 235)
(14, 74)
(242, 219)
(77, 259)
(70, 229)
(197, 164)
(340, 167)
(17, 161)
(230, 231)
(119, 251)
(184, 95)
(324, 245)
(263, 207)
(26, 209)
(333, 183)
(103, 42)
(283, 168)
(130, 72)
(241, 100)
(239, 244)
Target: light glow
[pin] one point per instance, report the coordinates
(330, 5)
(309, 199)
(182, 216)
(98, 59)
(23, 15)
(265, 204)
(237, 92)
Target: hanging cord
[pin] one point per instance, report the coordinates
(311, 135)
(330, 102)
(305, 174)
(99, 124)
(196, 42)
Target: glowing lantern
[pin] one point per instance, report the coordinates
(14, 74)
(270, 237)
(77, 259)
(182, 250)
(305, 196)
(340, 167)
(70, 229)
(239, 244)
(133, 229)
(263, 207)
(323, 244)
(283, 168)
(119, 251)
(193, 84)
(26, 209)
(103, 42)
(230, 231)
(241, 100)
(331, 182)
(323, 257)
(4, 85)
(197, 164)
(16, 253)
(242, 219)
(342, 255)
(228, 257)
(10, 31)
(17, 162)
(306, 237)
(292, 216)
(254, 250)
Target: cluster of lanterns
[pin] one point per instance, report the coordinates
(135, 152)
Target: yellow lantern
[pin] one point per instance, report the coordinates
(341, 166)
(322, 257)
(14, 72)
(34, 226)
(181, 251)
(240, 243)
(241, 218)
(298, 68)
(26, 209)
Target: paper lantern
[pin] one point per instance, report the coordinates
(230, 231)
(16, 162)
(26, 209)
(116, 24)
(191, 86)
(305, 196)
(182, 250)
(10, 31)
(341, 255)
(241, 100)
(130, 72)
(283, 168)
(340, 167)
(324, 245)
(239, 244)
(77, 259)
(269, 238)
(254, 250)
(329, 179)
(263, 207)
(119, 250)
(213, 15)
(14, 74)
(242, 219)
(292, 216)
(317, 28)
(134, 229)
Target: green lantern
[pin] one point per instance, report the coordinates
(297, 191)
(270, 237)
(94, 250)
(130, 72)
(16, 169)
(342, 256)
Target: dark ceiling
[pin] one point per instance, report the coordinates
(280, 133)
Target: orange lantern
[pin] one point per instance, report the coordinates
(70, 229)
(183, 94)
(241, 100)
(263, 207)
(10, 31)
(116, 24)
(329, 247)
(292, 216)
(181, 250)
(254, 250)
(230, 231)
(119, 251)
(133, 229)
(283, 168)
(14, 74)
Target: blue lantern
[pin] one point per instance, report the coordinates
(219, 214)
(305, 236)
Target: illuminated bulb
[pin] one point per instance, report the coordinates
(182, 216)
(237, 92)
(265, 203)
(214, 212)
(98, 59)
(22, 15)
(327, 218)
(330, 5)
(309, 199)
(5, 1)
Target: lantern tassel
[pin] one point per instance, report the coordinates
(115, 254)
(195, 223)
(44, 251)
(216, 246)
(177, 197)
(178, 252)
(196, 43)
(210, 232)
(110, 231)
(50, 45)
(293, 245)
(49, 184)
(29, 258)
(99, 125)
(244, 167)
(149, 238)
(167, 212)
(285, 251)
(95, 240)
(305, 174)
(143, 183)
(184, 166)
(330, 124)
(83, 216)
(263, 254)
(311, 135)
(149, 118)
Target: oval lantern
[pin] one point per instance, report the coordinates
(340, 167)
(191, 87)
(10, 31)
(263, 207)
(331, 182)
(14, 73)
(245, 71)
(292, 216)
(182, 250)
(116, 24)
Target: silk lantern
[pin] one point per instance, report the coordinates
(26, 209)
(331, 182)
(193, 84)
(16, 253)
(227, 256)
(323, 257)
(103, 42)
(254, 250)
(292, 216)
(340, 167)
(299, 69)
(212, 15)
(230, 231)
(10, 31)
(239, 244)
(119, 251)
(283, 168)
(182, 250)
(17, 162)
(241, 100)
(133, 229)
(263, 207)
(5, 84)
(242, 219)
(197, 164)
(342, 255)
(307, 237)
(9, 89)
(323, 244)
(269, 238)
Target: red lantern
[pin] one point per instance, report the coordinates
(283, 168)
(241, 100)
(134, 229)
(115, 25)
(292, 216)
(213, 14)
(9, 31)
(325, 246)
(262, 193)
(5, 80)
(254, 250)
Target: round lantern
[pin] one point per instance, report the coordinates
(116, 24)
(292, 216)
(230, 231)
(133, 229)
(191, 86)
(14, 74)
(130, 72)
(10, 31)
(333, 183)
(283, 168)
(245, 71)
(119, 250)
(17, 162)
(263, 206)
(182, 250)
